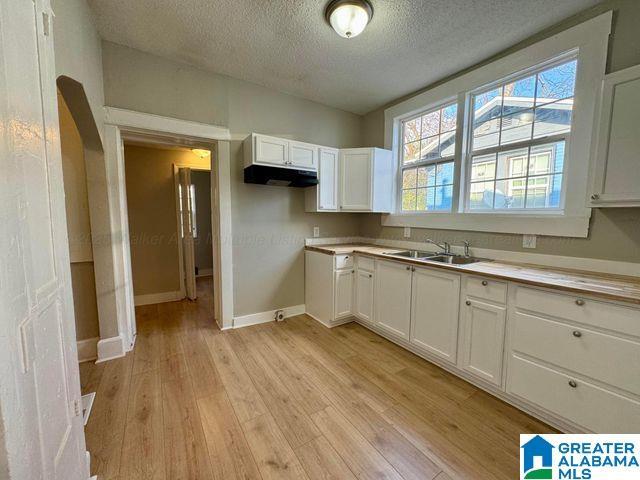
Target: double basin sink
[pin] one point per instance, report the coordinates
(448, 258)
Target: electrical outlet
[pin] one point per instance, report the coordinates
(529, 241)
(316, 232)
(407, 232)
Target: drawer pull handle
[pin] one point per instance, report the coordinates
(485, 283)
(579, 302)
(577, 333)
(573, 384)
(468, 302)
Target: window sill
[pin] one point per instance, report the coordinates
(551, 224)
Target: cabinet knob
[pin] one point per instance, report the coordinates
(413, 269)
(485, 283)
(573, 384)
(468, 302)
(595, 196)
(370, 275)
(579, 302)
(577, 333)
(408, 268)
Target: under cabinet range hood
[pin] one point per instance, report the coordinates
(282, 177)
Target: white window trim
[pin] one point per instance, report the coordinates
(591, 39)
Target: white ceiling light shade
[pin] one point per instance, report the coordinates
(349, 18)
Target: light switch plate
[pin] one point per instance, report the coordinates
(316, 232)
(528, 241)
(407, 232)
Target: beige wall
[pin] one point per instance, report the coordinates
(614, 234)
(153, 229)
(269, 223)
(203, 246)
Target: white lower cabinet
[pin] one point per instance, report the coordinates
(364, 295)
(343, 294)
(482, 328)
(435, 298)
(393, 298)
(573, 361)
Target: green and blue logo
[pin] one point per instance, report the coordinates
(580, 457)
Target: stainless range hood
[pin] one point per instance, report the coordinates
(282, 177)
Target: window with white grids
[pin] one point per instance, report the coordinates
(428, 149)
(518, 133)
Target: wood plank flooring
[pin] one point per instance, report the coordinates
(288, 400)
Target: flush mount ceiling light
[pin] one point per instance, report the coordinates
(200, 152)
(349, 17)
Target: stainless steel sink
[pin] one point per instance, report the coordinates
(454, 259)
(417, 254)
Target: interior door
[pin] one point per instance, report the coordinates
(39, 385)
(186, 211)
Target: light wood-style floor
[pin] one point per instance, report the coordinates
(288, 400)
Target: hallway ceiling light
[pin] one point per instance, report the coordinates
(200, 152)
(349, 18)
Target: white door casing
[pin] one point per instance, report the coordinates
(39, 380)
(187, 233)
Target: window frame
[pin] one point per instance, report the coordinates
(451, 158)
(590, 40)
(468, 153)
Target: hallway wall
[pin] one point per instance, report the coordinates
(154, 236)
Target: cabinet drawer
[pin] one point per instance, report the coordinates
(587, 405)
(343, 261)
(366, 263)
(607, 358)
(605, 315)
(486, 289)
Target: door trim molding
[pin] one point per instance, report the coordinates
(88, 349)
(110, 348)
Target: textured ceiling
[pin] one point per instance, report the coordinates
(286, 44)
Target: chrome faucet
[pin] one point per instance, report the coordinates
(445, 246)
(466, 245)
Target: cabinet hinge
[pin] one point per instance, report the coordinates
(77, 407)
(46, 24)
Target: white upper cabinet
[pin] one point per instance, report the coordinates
(434, 312)
(303, 155)
(279, 152)
(616, 176)
(366, 182)
(324, 196)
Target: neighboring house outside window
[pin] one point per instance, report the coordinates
(429, 142)
(518, 139)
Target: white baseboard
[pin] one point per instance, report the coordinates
(88, 349)
(205, 272)
(265, 317)
(110, 348)
(162, 297)
(335, 323)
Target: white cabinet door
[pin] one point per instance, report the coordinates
(328, 179)
(617, 176)
(434, 312)
(364, 295)
(271, 150)
(343, 294)
(482, 340)
(303, 155)
(356, 179)
(393, 297)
